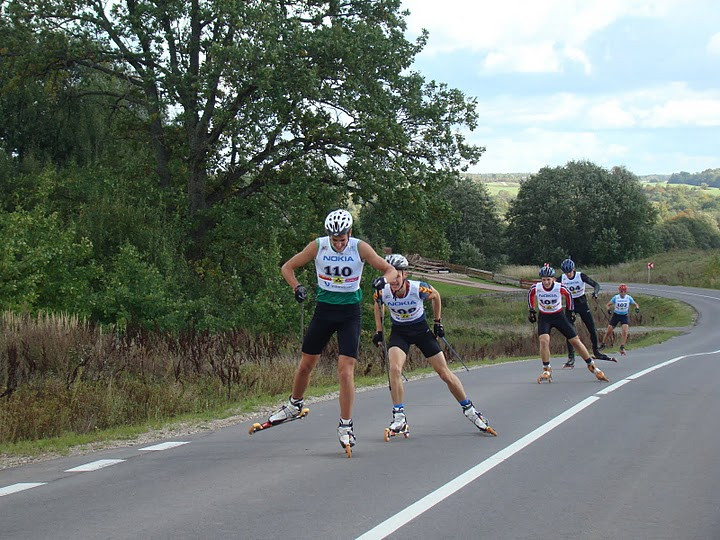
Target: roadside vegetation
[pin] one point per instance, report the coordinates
(68, 382)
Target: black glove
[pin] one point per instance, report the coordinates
(572, 316)
(377, 338)
(300, 293)
(609, 312)
(378, 283)
(439, 330)
(594, 295)
(637, 310)
(532, 316)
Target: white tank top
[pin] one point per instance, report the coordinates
(407, 309)
(338, 272)
(549, 301)
(576, 285)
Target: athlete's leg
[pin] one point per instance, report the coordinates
(302, 375)
(587, 318)
(624, 328)
(397, 361)
(346, 378)
(580, 348)
(544, 348)
(440, 366)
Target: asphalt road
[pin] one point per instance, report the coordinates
(637, 458)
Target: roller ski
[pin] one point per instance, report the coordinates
(287, 413)
(570, 362)
(398, 426)
(472, 414)
(546, 375)
(597, 355)
(598, 373)
(346, 437)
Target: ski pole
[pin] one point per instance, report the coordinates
(455, 353)
(302, 322)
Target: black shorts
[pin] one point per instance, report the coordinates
(418, 334)
(345, 319)
(548, 321)
(619, 319)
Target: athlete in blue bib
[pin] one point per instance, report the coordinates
(620, 304)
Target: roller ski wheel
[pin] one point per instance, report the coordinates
(546, 376)
(598, 374)
(404, 431)
(491, 431)
(267, 424)
(347, 438)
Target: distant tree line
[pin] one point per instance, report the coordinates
(709, 177)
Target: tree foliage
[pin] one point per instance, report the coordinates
(195, 145)
(580, 210)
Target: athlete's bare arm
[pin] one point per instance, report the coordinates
(298, 260)
(376, 261)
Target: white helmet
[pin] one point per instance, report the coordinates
(338, 222)
(397, 261)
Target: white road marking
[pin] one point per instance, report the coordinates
(163, 446)
(7, 490)
(612, 387)
(95, 465)
(403, 517)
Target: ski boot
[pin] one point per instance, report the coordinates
(294, 410)
(622, 350)
(346, 436)
(597, 355)
(570, 361)
(398, 426)
(546, 375)
(597, 372)
(478, 419)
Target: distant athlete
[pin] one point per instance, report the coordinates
(620, 303)
(548, 296)
(404, 299)
(575, 281)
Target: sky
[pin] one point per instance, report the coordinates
(616, 82)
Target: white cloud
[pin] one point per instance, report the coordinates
(532, 149)
(671, 105)
(523, 36)
(713, 45)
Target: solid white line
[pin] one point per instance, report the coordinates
(19, 487)
(612, 387)
(95, 465)
(403, 517)
(163, 446)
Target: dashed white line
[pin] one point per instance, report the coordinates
(163, 446)
(95, 465)
(22, 486)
